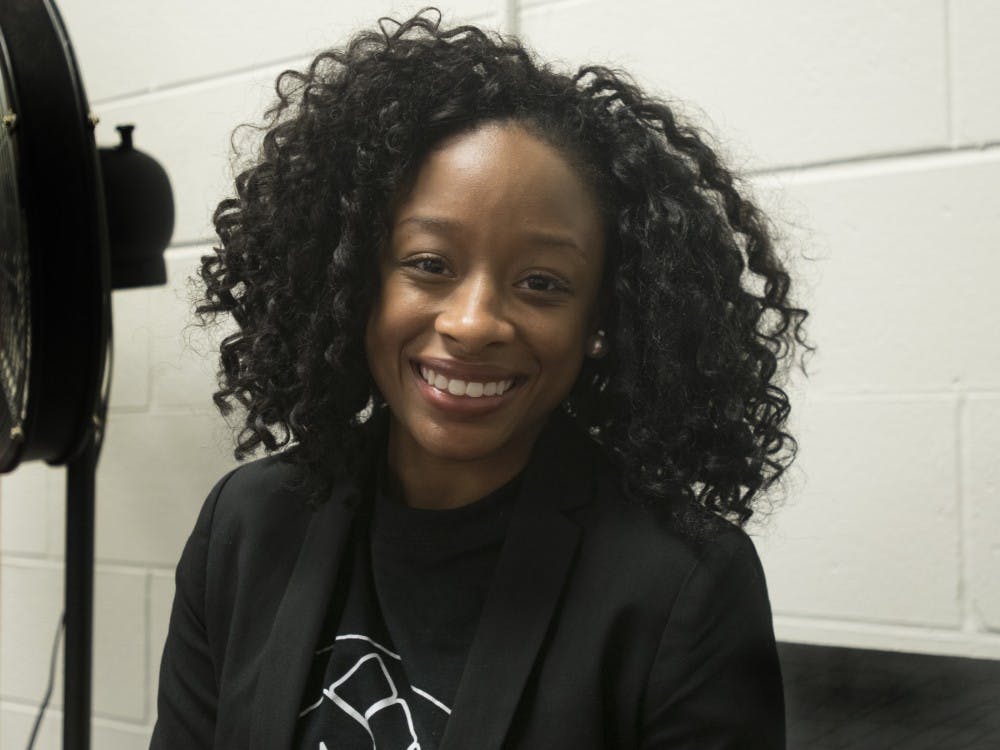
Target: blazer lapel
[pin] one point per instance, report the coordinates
(288, 654)
(534, 563)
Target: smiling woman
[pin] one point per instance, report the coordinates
(489, 287)
(513, 338)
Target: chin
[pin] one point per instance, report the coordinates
(462, 443)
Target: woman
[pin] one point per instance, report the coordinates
(517, 336)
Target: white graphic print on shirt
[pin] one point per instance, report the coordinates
(369, 686)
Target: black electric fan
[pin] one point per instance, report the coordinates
(75, 222)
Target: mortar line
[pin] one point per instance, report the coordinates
(973, 621)
(859, 626)
(894, 395)
(964, 598)
(978, 647)
(147, 683)
(30, 561)
(112, 565)
(873, 158)
(298, 61)
(55, 712)
(511, 17)
(949, 94)
(533, 5)
(231, 75)
(193, 243)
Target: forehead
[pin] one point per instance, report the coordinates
(499, 178)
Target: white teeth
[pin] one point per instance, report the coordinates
(462, 388)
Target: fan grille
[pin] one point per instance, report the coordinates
(15, 314)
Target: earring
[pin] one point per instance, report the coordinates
(597, 345)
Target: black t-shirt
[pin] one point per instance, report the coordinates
(411, 592)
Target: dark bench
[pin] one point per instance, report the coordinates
(840, 698)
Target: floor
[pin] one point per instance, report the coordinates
(840, 699)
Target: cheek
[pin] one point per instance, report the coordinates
(560, 349)
(397, 318)
(398, 304)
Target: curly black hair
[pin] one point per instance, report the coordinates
(688, 402)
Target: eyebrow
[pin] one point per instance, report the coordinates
(443, 226)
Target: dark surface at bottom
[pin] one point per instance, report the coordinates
(839, 698)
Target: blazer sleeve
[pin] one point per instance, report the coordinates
(188, 690)
(715, 683)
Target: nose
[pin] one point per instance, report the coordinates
(473, 316)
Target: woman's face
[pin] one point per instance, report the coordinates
(488, 292)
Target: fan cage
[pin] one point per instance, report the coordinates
(15, 290)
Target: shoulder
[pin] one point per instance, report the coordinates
(643, 544)
(250, 533)
(615, 512)
(255, 504)
(257, 487)
(614, 522)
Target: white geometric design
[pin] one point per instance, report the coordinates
(364, 715)
(352, 693)
(431, 698)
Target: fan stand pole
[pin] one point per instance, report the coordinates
(79, 596)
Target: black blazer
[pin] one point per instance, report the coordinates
(602, 628)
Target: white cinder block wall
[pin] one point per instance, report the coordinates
(871, 129)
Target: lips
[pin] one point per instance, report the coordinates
(467, 388)
(462, 388)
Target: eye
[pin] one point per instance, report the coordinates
(540, 282)
(428, 264)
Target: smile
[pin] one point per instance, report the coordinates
(469, 389)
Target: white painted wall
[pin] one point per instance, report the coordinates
(871, 129)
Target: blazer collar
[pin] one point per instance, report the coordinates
(285, 662)
(534, 564)
(531, 572)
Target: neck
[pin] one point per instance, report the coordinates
(435, 482)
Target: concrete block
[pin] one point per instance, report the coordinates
(161, 598)
(16, 722)
(31, 600)
(24, 509)
(115, 736)
(188, 131)
(130, 328)
(906, 261)
(155, 472)
(975, 70)
(981, 481)
(870, 530)
(188, 128)
(57, 513)
(126, 47)
(781, 82)
(185, 357)
(120, 631)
